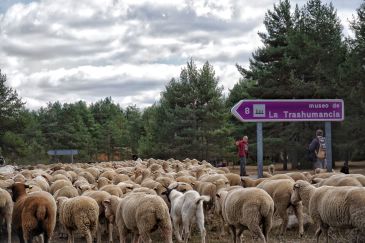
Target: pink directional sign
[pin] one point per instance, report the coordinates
(289, 110)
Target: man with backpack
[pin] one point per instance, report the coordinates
(318, 150)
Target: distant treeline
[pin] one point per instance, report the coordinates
(304, 55)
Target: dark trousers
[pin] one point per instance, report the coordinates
(242, 166)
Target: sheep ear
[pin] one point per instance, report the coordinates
(106, 202)
(296, 186)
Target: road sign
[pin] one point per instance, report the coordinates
(63, 152)
(289, 110)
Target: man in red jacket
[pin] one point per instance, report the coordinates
(242, 147)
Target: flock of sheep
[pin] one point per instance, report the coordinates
(135, 198)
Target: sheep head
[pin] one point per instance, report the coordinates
(18, 190)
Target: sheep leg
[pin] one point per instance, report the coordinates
(266, 226)
(98, 233)
(284, 216)
(318, 233)
(298, 211)
(8, 226)
(20, 236)
(70, 236)
(234, 236)
(110, 232)
(145, 237)
(122, 233)
(177, 231)
(45, 237)
(256, 230)
(186, 229)
(200, 222)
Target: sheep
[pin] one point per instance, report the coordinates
(113, 190)
(82, 185)
(210, 189)
(58, 185)
(79, 213)
(6, 210)
(33, 214)
(127, 187)
(142, 213)
(99, 197)
(185, 209)
(4, 184)
(67, 191)
(249, 182)
(42, 183)
(120, 178)
(103, 181)
(247, 208)
(281, 191)
(88, 176)
(297, 176)
(187, 179)
(60, 177)
(234, 179)
(338, 180)
(339, 207)
(164, 180)
(110, 206)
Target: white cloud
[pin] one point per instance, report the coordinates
(128, 49)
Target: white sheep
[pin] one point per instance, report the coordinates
(185, 209)
(79, 213)
(6, 210)
(338, 207)
(244, 208)
(281, 191)
(142, 213)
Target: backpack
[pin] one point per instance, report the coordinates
(321, 153)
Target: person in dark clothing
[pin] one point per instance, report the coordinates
(317, 149)
(2, 160)
(345, 168)
(242, 148)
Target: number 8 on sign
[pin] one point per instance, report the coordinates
(247, 110)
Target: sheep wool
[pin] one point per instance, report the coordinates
(337, 207)
(79, 213)
(6, 210)
(248, 207)
(143, 213)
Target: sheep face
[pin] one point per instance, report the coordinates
(108, 210)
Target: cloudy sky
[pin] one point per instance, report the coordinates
(69, 50)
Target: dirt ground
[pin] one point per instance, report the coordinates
(291, 235)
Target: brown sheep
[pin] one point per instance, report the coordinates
(33, 214)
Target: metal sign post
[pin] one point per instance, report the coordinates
(260, 152)
(327, 126)
(259, 111)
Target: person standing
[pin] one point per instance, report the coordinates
(242, 148)
(318, 149)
